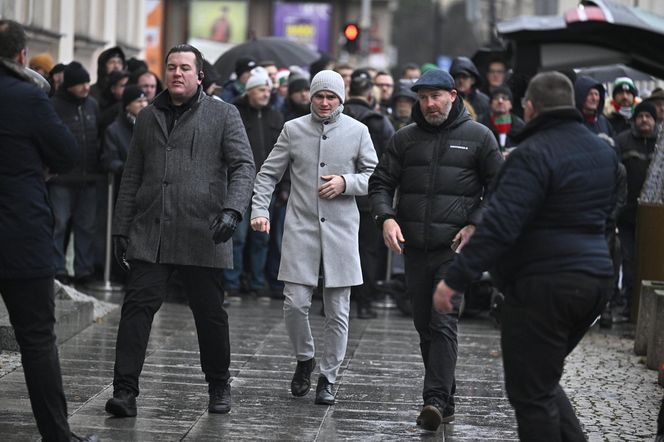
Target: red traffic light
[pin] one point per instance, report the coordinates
(351, 32)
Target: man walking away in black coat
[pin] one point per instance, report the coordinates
(543, 234)
(32, 139)
(442, 165)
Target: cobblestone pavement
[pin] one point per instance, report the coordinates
(378, 393)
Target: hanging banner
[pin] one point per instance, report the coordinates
(216, 26)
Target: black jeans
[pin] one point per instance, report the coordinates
(146, 291)
(544, 317)
(438, 332)
(31, 307)
(371, 245)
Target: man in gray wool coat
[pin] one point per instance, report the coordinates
(330, 157)
(186, 182)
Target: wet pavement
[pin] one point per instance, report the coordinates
(378, 392)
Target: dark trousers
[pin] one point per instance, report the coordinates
(544, 317)
(370, 244)
(31, 307)
(438, 331)
(145, 293)
(627, 235)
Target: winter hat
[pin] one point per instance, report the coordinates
(504, 90)
(328, 81)
(624, 84)
(42, 61)
(75, 74)
(244, 64)
(57, 69)
(135, 65)
(116, 76)
(426, 67)
(131, 93)
(297, 83)
(657, 94)
(434, 79)
(210, 74)
(259, 77)
(645, 106)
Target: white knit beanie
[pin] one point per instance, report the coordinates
(328, 81)
(259, 77)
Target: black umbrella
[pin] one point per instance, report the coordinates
(280, 50)
(607, 74)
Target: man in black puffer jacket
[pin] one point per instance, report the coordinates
(442, 166)
(74, 195)
(543, 231)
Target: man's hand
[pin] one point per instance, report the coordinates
(442, 298)
(334, 186)
(464, 236)
(120, 245)
(224, 225)
(392, 235)
(261, 224)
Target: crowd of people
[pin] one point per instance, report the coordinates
(316, 175)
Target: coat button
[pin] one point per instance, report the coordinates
(322, 220)
(322, 164)
(156, 220)
(325, 137)
(165, 183)
(326, 122)
(169, 147)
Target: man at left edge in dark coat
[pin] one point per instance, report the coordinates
(32, 139)
(186, 183)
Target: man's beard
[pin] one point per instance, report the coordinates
(438, 119)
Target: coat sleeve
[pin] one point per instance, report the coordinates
(272, 170)
(132, 177)
(385, 180)
(519, 192)
(110, 151)
(489, 162)
(240, 162)
(57, 146)
(358, 183)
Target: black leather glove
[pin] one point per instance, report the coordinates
(224, 225)
(120, 244)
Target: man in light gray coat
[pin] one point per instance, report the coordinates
(186, 182)
(330, 157)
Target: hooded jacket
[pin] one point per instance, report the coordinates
(442, 173)
(97, 89)
(582, 87)
(477, 99)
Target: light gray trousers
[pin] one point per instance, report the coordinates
(335, 331)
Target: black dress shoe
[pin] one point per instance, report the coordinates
(324, 394)
(88, 438)
(122, 404)
(366, 312)
(301, 383)
(430, 418)
(220, 398)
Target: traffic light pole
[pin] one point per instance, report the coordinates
(365, 25)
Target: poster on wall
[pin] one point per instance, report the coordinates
(306, 23)
(216, 26)
(154, 55)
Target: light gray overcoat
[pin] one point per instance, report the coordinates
(174, 185)
(318, 228)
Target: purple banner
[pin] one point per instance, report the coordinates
(307, 23)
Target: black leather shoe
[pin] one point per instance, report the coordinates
(366, 312)
(220, 399)
(324, 394)
(430, 418)
(122, 404)
(301, 383)
(88, 438)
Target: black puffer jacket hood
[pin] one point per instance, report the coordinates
(103, 58)
(582, 86)
(465, 64)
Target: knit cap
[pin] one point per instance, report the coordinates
(645, 106)
(297, 83)
(131, 93)
(328, 81)
(244, 64)
(624, 84)
(75, 74)
(42, 61)
(259, 77)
